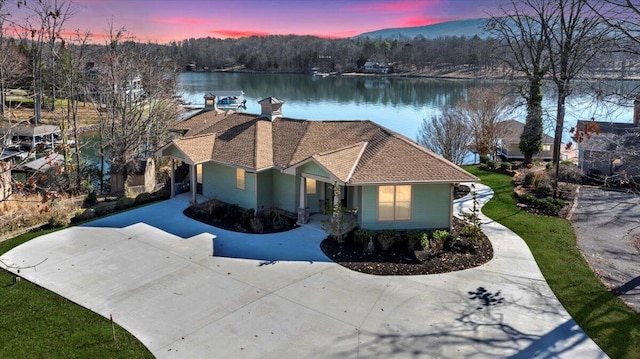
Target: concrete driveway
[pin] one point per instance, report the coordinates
(278, 296)
(607, 225)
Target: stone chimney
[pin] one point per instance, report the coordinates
(271, 108)
(636, 111)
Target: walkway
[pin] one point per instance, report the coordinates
(277, 296)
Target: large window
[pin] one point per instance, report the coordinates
(311, 186)
(240, 176)
(546, 148)
(394, 203)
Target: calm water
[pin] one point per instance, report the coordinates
(396, 103)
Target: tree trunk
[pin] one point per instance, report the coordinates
(557, 140)
(531, 137)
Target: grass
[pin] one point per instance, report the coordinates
(36, 323)
(602, 315)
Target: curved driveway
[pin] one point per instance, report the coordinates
(278, 296)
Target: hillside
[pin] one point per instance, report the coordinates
(467, 28)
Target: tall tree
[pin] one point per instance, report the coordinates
(520, 32)
(482, 109)
(574, 37)
(134, 99)
(446, 134)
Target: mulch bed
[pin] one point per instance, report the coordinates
(417, 263)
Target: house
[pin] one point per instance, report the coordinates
(614, 151)
(268, 160)
(509, 141)
(376, 67)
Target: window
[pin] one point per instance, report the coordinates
(311, 186)
(394, 203)
(240, 178)
(546, 147)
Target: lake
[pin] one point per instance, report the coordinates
(399, 104)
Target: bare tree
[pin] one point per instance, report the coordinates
(446, 134)
(482, 109)
(133, 102)
(522, 36)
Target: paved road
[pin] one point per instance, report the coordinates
(607, 226)
(278, 296)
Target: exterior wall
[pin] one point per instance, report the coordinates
(602, 162)
(313, 169)
(513, 152)
(285, 191)
(265, 189)
(430, 208)
(219, 181)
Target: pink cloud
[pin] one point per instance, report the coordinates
(422, 21)
(179, 20)
(238, 33)
(396, 6)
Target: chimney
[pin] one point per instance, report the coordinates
(636, 110)
(271, 108)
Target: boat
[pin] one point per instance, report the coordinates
(226, 100)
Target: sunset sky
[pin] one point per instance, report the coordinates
(167, 20)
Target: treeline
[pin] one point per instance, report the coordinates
(292, 53)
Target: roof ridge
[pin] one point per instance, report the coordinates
(195, 136)
(340, 149)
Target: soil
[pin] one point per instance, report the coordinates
(419, 262)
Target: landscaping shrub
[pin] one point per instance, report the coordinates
(90, 200)
(142, 198)
(546, 206)
(412, 239)
(104, 208)
(162, 194)
(570, 173)
(507, 166)
(256, 224)
(386, 239)
(491, 164)
(473, 233)
(484, 158)
(83, 215)
(58, 219)
(543, 189)
(124, 203)
(424, 241)
(362, 236)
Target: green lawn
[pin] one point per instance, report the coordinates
(605, 318)
(36, 323)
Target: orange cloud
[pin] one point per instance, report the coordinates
(238, 33)
(179, 20)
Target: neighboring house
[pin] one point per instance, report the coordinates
(267, 160)
(614, 151)
(509, 141)
(376, 67)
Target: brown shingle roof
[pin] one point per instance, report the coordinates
(510, 131)
(197, 148)
(354, 151)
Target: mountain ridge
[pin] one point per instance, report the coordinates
(467, 28)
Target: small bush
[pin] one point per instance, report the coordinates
(546, 206)
(386, 239)
(543, 190)
(528, 178)
(424, 241)
(570, 173)
(124, 203)
(507, 166)
(256, 224)
(162, 194)
(440, 235)
(484, 158)
(142, 198)
(90, 200)
(473, 233)
(104, 208)
(82, 216)
(491, 164)
(58, 219)
(412, 239)
(362, 236)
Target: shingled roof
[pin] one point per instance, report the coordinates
(355, 152)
